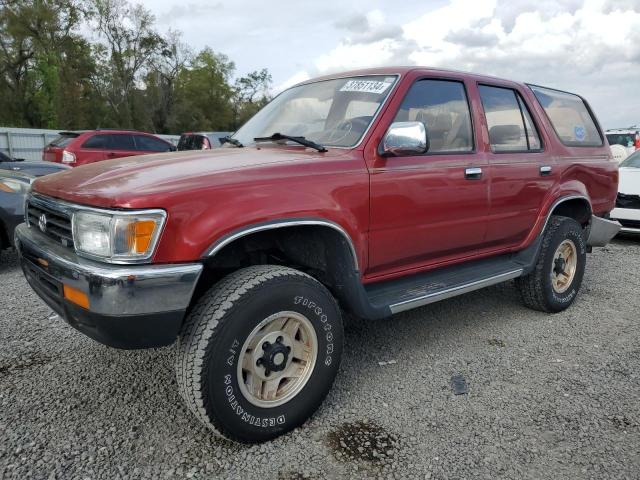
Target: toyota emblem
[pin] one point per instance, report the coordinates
(42, 223)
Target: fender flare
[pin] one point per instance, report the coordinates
(228, 238)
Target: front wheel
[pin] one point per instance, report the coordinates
(259, 352)
(556, 278)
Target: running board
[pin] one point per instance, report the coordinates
(429, 287)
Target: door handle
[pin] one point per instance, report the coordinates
(473, 173)
(545, 170)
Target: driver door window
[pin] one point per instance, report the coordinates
(443, 108)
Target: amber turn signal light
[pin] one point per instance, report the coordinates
(76, 296)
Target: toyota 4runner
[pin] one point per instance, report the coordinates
(371, 192)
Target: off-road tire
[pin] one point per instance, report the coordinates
(217, 327)
(536, 289)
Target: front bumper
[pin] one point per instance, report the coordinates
(130, 306)
(601, 231)
(628, 217)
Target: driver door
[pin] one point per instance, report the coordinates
(432, 208)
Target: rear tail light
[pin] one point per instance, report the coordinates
(68, 157)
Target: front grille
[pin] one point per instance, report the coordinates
(57, 225)
(628, 201)
(49, 289)
(629, 223)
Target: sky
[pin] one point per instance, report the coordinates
(591, 47)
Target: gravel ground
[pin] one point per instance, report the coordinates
(550, 396)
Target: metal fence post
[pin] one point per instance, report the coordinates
(9, 144)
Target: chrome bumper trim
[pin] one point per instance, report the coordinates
(112, 289)
(602, 231)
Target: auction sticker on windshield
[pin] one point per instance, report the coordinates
(365, 86)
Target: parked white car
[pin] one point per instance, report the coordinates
(627, 210)
(623, 136)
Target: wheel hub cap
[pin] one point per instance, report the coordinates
(277, 359)
(275, 356)
(565, 262)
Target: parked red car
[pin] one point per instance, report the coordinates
(374, 192)
(83, 147)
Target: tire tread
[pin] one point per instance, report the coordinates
(202, 323)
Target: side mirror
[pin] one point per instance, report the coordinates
(404, 138)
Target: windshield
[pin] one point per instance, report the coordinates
(632, 161)
(330, 112)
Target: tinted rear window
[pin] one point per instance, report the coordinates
(63, 140)
(97, 141)
(190, 142)
(624, 139)
(570, 117)
(121, 142)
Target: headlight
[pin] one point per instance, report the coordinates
(9, 185)
(117, 237)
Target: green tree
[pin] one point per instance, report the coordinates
(203, 94)
(250, 94)
(37, 40)
(129, 42)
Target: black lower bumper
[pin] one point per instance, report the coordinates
(119, 331)
(128, 306)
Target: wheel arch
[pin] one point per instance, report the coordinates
(576, 206)
(318, 247)
(313, 223)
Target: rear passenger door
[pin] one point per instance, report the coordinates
(121, 145)
(92, 149)
(521, 172)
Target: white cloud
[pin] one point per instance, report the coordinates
(293, 80)
(591, 46)
(588, 46)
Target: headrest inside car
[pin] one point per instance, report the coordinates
(504, 134)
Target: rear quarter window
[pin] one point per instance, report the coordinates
(570, 117)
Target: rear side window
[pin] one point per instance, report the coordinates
(121, 142)
(624, 139)
(443, 108)
(511, 128)
(63, 140)
(150, 144)
(97, 141)
(570, 117)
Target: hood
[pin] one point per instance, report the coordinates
(629, 182)
(127, 182)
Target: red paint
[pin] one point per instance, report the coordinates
(403, 214)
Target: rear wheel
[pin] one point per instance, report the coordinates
(259, 352)
(556, 278)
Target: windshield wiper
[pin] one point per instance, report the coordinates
(230, 140)
(301, 140)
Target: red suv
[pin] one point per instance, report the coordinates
(372, 192)
(81, 148)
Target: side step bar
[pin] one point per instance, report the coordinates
(385, 298)
(442, 294)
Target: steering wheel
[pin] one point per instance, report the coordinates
(344, 128)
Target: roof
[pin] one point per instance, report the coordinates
(404, 70)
